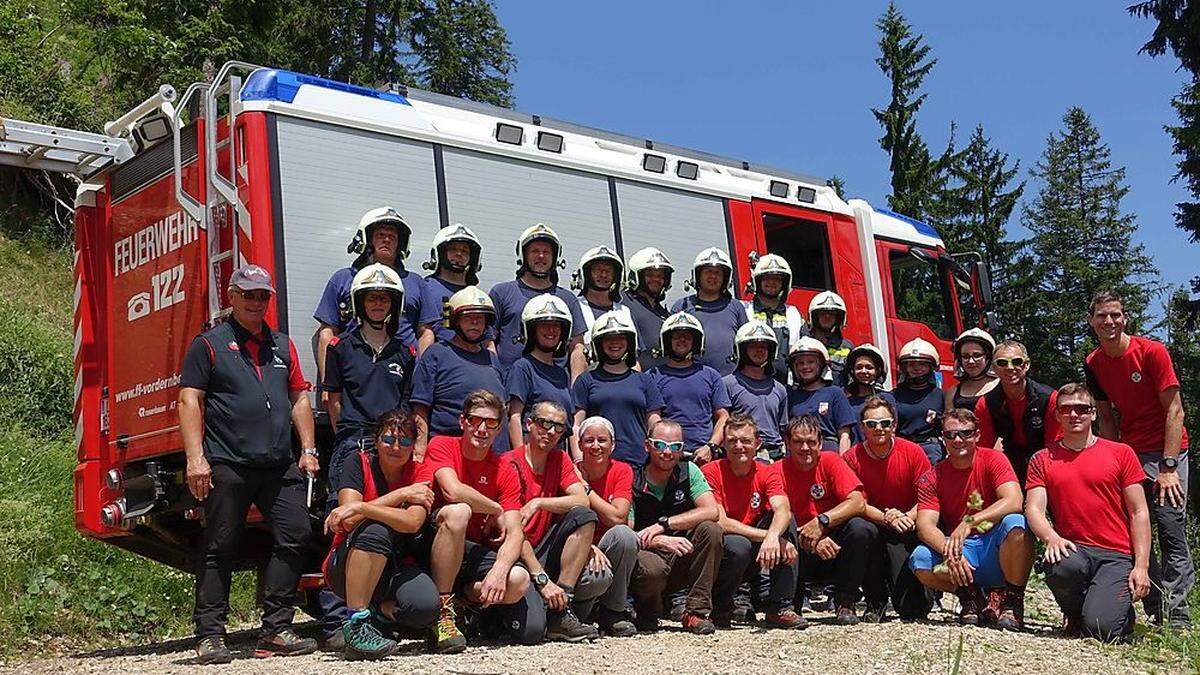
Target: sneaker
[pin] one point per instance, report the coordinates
(971, 604)
(787, 618)
(699, 625)
(211, 650)
(845, 616)
(334, 642)
(284, 643)
(363, 639)
(615, 624)
(444, 636)
(1012, 610)
(875, 612)
(564, 626)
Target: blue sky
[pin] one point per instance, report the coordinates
(791, 84)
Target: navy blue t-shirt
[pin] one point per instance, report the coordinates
(334, 308)
(436, 292)
(531, 381)
(445, 374)
(765, 400)
(624, 400)
(691, 396)
(648, 322)
(919, 411)
(369, 385)
(721, 319)
(510, 298)
(829, 404)
(856, 404)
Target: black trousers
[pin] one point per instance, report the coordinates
(279, 493)
(404, 582)
(1092, 587)
(773, 589)
(855, 537)
(888, 575)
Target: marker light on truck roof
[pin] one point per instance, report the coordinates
(549, 142)
(780, 189)
(806, 194)
(688, 170)
(509, 133)
(654, 163)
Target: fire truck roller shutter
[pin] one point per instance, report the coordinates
(501, 196)
(681, 224)
(328, 177)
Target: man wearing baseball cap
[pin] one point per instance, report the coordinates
(241, 391)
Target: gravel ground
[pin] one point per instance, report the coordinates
(891, 647)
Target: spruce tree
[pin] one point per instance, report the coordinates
(1081, 243)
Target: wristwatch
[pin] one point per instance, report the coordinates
(823, 520)
(1168, 464)
(309, 451)
(664, 523)
(541, 579)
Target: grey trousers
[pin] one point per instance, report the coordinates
(1172, 575)
(620, 546)
(1092, 587)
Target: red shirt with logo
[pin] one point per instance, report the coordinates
(1085, 491)
(617, 482)
(946, 489)
(1132, 383)
(891, 482)
(445, 452)
(559, 474)
(745, 498)
(818, 489)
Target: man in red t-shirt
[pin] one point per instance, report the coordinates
(827, 502)
(760, 536)
(557, 521)
(1138, 403)
(1017, 416)
(478, 530)
(889, 468)
(1098, 549)
(969, 517)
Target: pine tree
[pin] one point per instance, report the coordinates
(838, 184)
(1081, 243)
(463, 50)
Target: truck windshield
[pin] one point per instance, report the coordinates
(970, 314)
(922, 294)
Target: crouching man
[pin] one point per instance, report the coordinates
(381, 508)
(1098, 549)
(969, 517)
(760, 537)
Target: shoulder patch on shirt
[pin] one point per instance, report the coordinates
(396, 369)
(823, 408)
(334, 340)
(233, 345)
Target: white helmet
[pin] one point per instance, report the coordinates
(755, 331)
(808, 345)
(710, 257)
(871, 351)
(377, 277)
(827, 301)
(532, 234)
(546, 307)
(469, 300)
(614, 322)
(580, 280)
(979, 335)
(446, 235)
(649, 258)
(384, 215)
(681, 321)
(919, 350)
(771, 264)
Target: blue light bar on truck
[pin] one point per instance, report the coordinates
(282, 85)
(924, 228)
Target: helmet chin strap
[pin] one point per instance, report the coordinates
(463, 336)
(377, 325)
(607, 360)
(921, 380)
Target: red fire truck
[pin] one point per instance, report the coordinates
(275, 168)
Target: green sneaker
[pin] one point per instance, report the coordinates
(363, 639)
(444, 636)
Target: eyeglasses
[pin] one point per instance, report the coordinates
(548, 425)
(978, 356)
(255, 296)
(1015, 362)
(668, 446)
(885, 423)
(1080, 409)
(487, 422)
(961, 434)
(392, 439)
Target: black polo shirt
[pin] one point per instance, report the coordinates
(369, 384)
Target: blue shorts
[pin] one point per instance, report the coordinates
(982, 552)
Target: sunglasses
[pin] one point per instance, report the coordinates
(549, 425)
(961, 434)
(392, 439)
(255, 296)
(885, 423)
(671, 446)
(488, 422)
(1081, 409)
(1015, 362)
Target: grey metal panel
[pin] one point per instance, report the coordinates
(498, 197)
(681, 224)
(328, 177)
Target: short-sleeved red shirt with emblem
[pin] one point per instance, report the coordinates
(745, 498)
(445, 452)
(891, 482)
(1132, 383)
(614, 483)
(1085, 491)
(946, 489)
(818, 489)
(558, 476)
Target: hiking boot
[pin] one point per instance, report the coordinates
(845, 616)
(743, 609)
(971, 604)
(875, 612)
(1012, 609)
(564, 626)
(444, 636)
(787, 618)
(989, 613)
(678, 607)
(646, 623)
(363, 639)
(615, 624)
(333, 642)
(722, 620)
(284, 643)
(699, 625)
(211, 650)
(820, 599)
